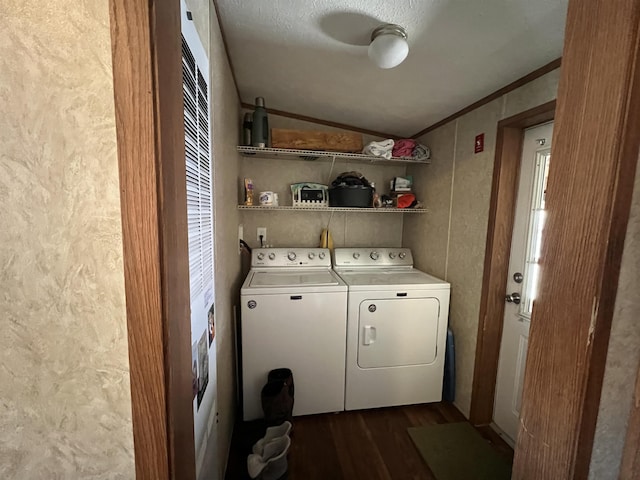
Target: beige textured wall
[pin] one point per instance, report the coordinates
(302, 229)
(622, 358)
(64, 376)
(450, 241)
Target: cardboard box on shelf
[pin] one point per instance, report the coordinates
(313, 140)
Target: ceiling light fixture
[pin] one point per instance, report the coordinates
(388, 47)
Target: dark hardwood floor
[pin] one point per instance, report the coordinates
(365, 444)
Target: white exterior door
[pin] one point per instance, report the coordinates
(523, 277)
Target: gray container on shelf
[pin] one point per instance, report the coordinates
(260, 127)
(246, 129)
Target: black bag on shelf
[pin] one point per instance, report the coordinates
(351, 189)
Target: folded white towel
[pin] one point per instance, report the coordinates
(383, 148)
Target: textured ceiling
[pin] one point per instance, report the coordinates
(310, 57)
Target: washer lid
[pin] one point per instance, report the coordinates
(390, 277)
(293, 279)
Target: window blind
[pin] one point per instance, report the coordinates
(198, 172)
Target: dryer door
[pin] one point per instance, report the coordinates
(397, 332)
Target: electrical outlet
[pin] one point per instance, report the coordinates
(262, 231)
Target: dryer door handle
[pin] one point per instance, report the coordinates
(369, 335)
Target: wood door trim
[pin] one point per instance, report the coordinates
(146, 54)
(595, 152)
(174, 260)
(504, 188)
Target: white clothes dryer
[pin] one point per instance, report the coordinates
(294, 315)
(396, 328)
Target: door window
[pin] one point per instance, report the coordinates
(537, 217)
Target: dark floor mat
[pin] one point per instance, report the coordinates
(456, 451)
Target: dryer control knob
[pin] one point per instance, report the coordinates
(291, 256)
(272, 256)
(321, 255)
(392, 255)
(312, 255)
(356, 255)
(374, 255)
(402, 255)
(260, 256)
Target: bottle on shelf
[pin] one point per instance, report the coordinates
(376, 202)
(260, 127)
(246, 129)
(248, 192)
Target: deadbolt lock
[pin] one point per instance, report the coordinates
(518, 277)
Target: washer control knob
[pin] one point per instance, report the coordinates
(260, 256)
(356, 255)
(291, 256)
(374, 255)
(272, 256)
(402, 255)
(321, 255)
(392, 255)
(312, 255)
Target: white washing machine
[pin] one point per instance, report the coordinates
(294, 315)
(396, 328)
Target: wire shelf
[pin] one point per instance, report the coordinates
(331, 209)
(312, 155)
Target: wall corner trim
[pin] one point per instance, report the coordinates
(226, 48)
(492, 96)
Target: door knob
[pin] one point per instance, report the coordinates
(513, 298)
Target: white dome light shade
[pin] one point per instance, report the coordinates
(388, 46)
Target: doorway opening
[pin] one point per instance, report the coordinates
(506, 172)
(523, 278)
